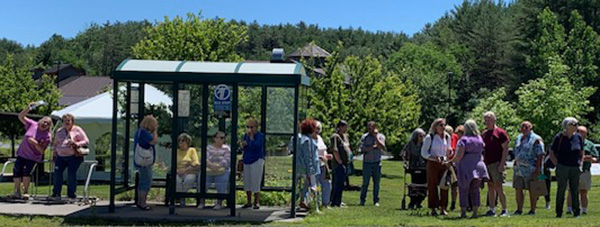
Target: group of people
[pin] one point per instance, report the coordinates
(314, 156)
(475, 158)
(218, 163)
(65, 153)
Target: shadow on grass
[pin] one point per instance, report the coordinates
(125, 222)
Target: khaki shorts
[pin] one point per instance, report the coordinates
(585, 181)
(520, 182)
(495, 175)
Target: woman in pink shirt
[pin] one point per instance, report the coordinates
(30, 151)
(67, 139)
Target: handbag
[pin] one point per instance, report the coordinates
(445, 181)
(143, 157)
(538, 188)
(79, 150)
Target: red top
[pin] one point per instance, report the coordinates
(493, 140)
(453, 142)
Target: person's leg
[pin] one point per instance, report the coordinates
(574, 186)
(474, 196)
(453, 195)
(548, 184)
(584, 200)
(338, 185)
(221, 182)
(367, 172)
(73, 164)
(501, 195)
(60, 164)
(27, 176)
(179, 183)
(465, 193)
(188, 182)
(376, 180)
(569, 201)
(443, 193)
(533, 201)
(258, 174)
(18, 176)
(562, 179)
(248, 184)
(432, 185)
(520, 198)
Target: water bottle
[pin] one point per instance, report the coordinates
(36, 104)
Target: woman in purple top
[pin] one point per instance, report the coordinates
(30, 151)
(471, 168)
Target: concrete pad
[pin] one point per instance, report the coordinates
(159, 212)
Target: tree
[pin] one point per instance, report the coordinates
(582, 52)
(381, 97)
(428, 67)
(192, 39)
(549, 43)
(19, 89)
(505, 111)
(548, 100)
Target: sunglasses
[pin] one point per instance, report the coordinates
(443, 125)
(574, 124)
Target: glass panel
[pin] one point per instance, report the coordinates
(188, 162)
(280, 110)
(158, 102)
(218, 154)
(248, 107)
(278, 165)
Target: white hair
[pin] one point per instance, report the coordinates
(471, 128)
(490, 114)
(568, 121)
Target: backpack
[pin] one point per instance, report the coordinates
(431, 135)
(143, 157)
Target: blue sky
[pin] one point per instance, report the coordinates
(33, 22)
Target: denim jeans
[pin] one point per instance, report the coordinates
(71, 163)
(370, 169)
(221, 182)
(339, 176)
(325, 186)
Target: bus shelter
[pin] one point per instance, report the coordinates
(207, 96)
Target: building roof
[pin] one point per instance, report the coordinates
(61, 67)
(310, 50)
(80, 88)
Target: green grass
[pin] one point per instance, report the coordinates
(387, 214)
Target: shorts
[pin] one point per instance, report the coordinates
(520, 182)
(495, 175)
(253, 174)
(145, 181)
(23, 167)
(585, 180)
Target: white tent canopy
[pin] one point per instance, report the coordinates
(99, 108)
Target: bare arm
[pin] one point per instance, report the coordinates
(154, 138)
(23, 115)
(504, 155)
(460, 152)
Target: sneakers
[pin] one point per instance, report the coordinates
(531, 212)
(584, 213)
(453, 206)
(490, 213)
(201, 206)
(518, 212)
(250, 205)
(218, 207)
(25, 196)
(377, 204)
(182, 202)
(361, 204)
(504, 213)
(548, 206)
(444, 213)
(569, 212)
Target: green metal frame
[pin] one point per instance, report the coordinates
(235, 79)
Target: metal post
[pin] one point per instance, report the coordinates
(126, 142)
(113, 149)
(295, 149)
(174, 132)
(263, 127)
(205, 95)
(234, 146)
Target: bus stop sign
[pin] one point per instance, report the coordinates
(222, 100)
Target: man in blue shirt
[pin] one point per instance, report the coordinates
(253, 158)
(372, 144)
